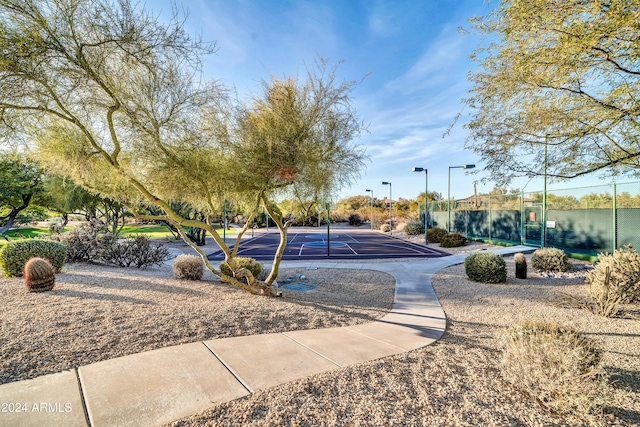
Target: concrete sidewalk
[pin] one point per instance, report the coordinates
(160, 386)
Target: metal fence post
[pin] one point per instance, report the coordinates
(522, 218)
(490, 218)
(615, 220)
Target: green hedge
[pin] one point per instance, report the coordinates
(15, 254)
(486, 267)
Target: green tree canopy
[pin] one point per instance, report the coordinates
(565, 73)
(21, 184)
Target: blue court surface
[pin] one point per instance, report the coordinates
(342, 243)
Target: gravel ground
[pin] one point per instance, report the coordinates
(96, 313)
(456, 381)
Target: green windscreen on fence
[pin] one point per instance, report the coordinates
(586, 220)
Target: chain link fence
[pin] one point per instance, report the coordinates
(585, 220)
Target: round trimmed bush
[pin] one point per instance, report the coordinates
(413, 228)
(486, 267)
(189, 267)
(385, 228)
(15, 254)
(436, 234)
(550, 259)
(250, 264)
(453, 240)
(39, 275)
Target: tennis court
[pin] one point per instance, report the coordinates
(340, 243)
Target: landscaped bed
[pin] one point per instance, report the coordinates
(99, 312)
(456, 381)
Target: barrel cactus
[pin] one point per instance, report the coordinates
(39, 275)
(521, 265)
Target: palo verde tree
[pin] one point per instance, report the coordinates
(295, 137)
(560, 73)
(115, 100)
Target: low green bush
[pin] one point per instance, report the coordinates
(250, 264)
(453, 240)
(486, 267)
(413, 228)
(557, 367)
(15, 254)
(436, 234)
(550, 259)
(355, 219)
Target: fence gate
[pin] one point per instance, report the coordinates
(532, 225)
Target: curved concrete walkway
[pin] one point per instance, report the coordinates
(160, 386)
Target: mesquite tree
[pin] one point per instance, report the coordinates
(116, 100)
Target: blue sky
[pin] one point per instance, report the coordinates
(417, 62)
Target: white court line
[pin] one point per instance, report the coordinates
(345, 245)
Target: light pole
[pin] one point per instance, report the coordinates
(371, 220)
(449, 192)
(390, 214)
(426, 202)
(544, 196)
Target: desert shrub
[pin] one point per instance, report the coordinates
(436, 234)
(413, 228)
(550, 259)
(623, 269)
(56, 226)
(556, 366)
(250, 264)
(521, 265)
(90, 243)
(135, 252)
(355, 219)
(453, 240)
(486, 267)
(188, 267)
(15, 254)
(39, 275)
(80, 242)
(385, 228)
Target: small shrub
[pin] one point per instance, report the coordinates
(189, 267)
(453, 240)
(250, 264)
(556, 366)
(550, 259)
(39, 275)
(486, 267)
(521, 265)
(355, 219)
(15, 254)
(135, 252)
(436, 234)
(623, 268)
(413, 228)
(81, 242)
(385, 228)
(56, 226)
